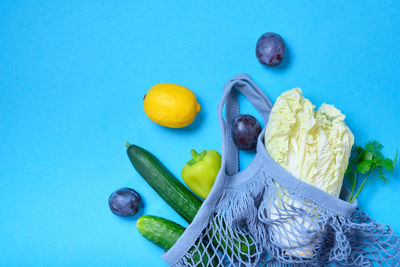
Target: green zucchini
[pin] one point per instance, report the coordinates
(164, 233)
(179, 197)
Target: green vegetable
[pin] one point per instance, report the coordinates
(238, 248)
(164, 182)
(164, 233)
(200, 172)
(170, 189)
(367, 161)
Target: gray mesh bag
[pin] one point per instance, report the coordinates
(264, 216)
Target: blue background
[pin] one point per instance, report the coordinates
(73, 75)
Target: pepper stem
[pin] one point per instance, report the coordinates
(194, 153)
(196, 157)
(127, 144)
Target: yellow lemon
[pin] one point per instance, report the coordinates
(171, 105)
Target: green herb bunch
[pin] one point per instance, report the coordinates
(368, 162)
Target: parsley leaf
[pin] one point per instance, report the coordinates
(387, 164)
(364, 166)
(367, 161)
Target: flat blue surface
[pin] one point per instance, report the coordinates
(73, 75)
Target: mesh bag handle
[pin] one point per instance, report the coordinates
(245, 85)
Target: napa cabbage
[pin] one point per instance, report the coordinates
(312, 145)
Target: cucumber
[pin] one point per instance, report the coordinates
(164, 233)
(179, 197)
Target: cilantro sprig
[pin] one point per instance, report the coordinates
(368, 163)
